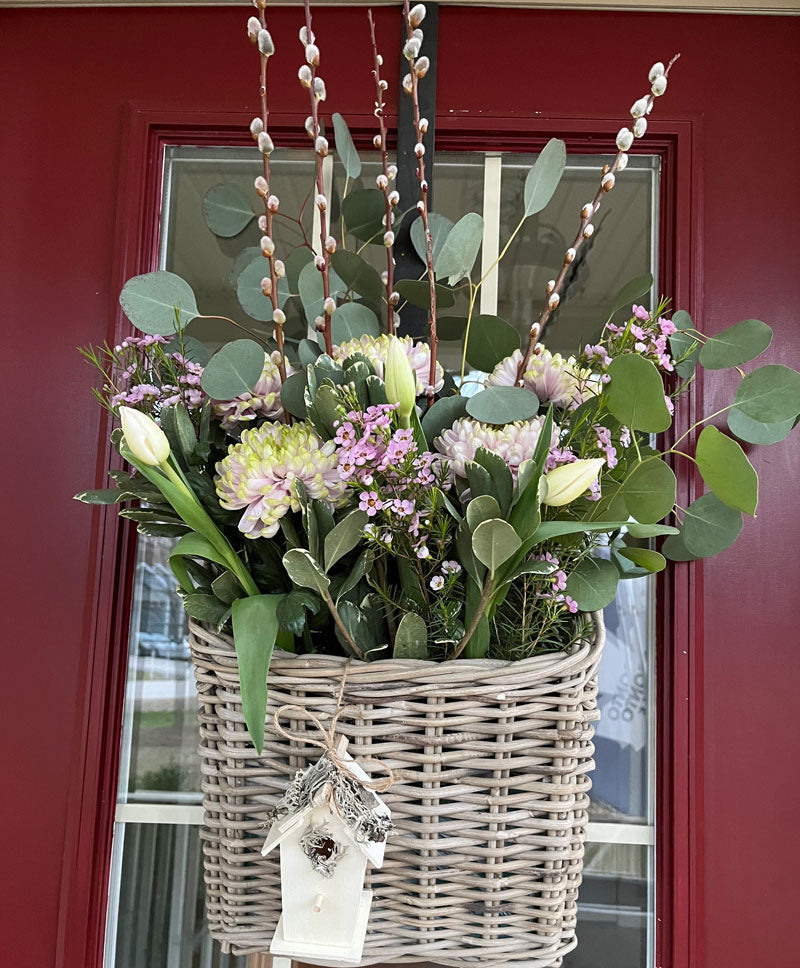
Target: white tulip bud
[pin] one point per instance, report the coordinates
(411, 48)
(382, 182)
(280, 268)
(408, 86)
(553, 301)
(622, 162)
(400, 380)
(422, 66)
(261, 186)
(256, 127)
(391, 171)
(608, 182)
(657, 70)
(143, 437)
(305, 75)
(321, 146)
(329, 305)
(265, 145)
(388, 239)
(253, 27)
(588, 232)
(570, 481)
(640, 107)
(569, 255)
(265, 45)
(624, 139)
(639, 127)
(319, 89)
(267, 246)
(587, 211)
(659, 86)
(278, 317)
(312, 55)
(266, 286)
(417, 14)
(394, 198)
(319, 263)
(321, 202)
(551, 285)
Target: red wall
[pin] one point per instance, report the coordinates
(66, 75)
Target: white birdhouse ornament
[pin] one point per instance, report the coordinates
(329, 824)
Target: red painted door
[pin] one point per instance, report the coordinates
(79, 200)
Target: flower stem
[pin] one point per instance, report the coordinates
(486, 594)
(341, 626)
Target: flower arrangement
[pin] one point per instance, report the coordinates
(342, 492)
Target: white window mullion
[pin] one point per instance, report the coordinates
(492, 181)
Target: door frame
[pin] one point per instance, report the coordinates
(149, 128)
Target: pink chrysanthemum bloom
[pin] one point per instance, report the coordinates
(552, 378)
(514, 442)
(264, 401)
(259, 473)
(375, 348)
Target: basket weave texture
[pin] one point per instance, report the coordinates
(489, 802)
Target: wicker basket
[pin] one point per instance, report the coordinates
(489, 804)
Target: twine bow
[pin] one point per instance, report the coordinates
(329, 743)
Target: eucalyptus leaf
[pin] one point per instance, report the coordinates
(442, 415)
(460, 249)
(439, 227)
(684, 345)
(295, 263)
(674, 548)
(542, 180)
(491, 339)
(312, 293)
(770, 394)
(357, 274)
(362, 212)
(727, 471)
(192, 349)
(308, 351)
(735, 345)
(645, 558)
(244, 258)
(418, 293)
(450, 328)
(305, 572)
(502, 405)
(227, 209)
(234, 369)
(649, 491)
(593, 584)
(710, 526)
(635, 289)
(150, 301)
(353, 320)
(344, 537)
(411, 639)
(636, 530)
(480, 509)
(248, 290)
(635, 395)
(293, 395)
(345, 148)
(255, 628)
(494, 542)
(756, 432)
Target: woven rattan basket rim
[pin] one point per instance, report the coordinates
(582, 656)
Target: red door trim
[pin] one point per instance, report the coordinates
(94, 768)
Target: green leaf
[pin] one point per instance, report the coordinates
(756, 432)
(207, 608)
(226, 588)
(460, 249)
(362, 565)
(328, 405)
(227, 209)
(290, 283)
(305, 572)
(418, 293)
(542, 180)
(442, 415)
(736, 345)
(110, 495)
(526, 515)
(344, 537)
(479, 480)
(635, 289)
(194, 545)
(727, 471)
(674, 548)
(770, 394)
(710, 526)
(358, 275)
(439, 227)
(636, 530)
(358, 625)
(557, 529)
(649, 491)
(491, 340)
(502, 405)
(353, 320)
(411, 640)
(684, 346)
(150, 300)
(593, 584)
(292, 608)
(478, 645)
(451, 327)
(308, 351)
(255, 627)
(192, 349)
(293, 395)
(480, 509)
(363, 211)
(179, 429)
(244, 258)
(494, 542)
(312, 292)
(234, 369)
(529, 568)
(502, 481)
(635, 395)
(645, 558)
(248, 290)
(345, 148)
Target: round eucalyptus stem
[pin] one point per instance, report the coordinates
(585, 231)
(386, 178)
(316, 91)
(418, 68)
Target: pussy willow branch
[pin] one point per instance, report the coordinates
(422, 205)
(384, 150)
(270, 207)
(321, 201)
(587, 214)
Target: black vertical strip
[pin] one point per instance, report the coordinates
(409, 265)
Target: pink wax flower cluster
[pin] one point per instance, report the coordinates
(645, 333)
(147, 377)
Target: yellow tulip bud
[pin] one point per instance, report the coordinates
(569, 481)
(400, 380)
(143, 437)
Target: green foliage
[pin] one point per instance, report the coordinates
(255, 628)
(292, 609)
(491, 340)
(312, 293)
(305, 572)
(248, 290)
(735, 345)
(543, 178)
(345, 147)
(411, 639)
(494, 542)
(502, 405)
(344, 537)
(710, 526)
(635, 395)
(460, 249)
(770, 394)
(593, 584)
(352, 320)
(685, 347)
(418, 293)
(362, 212)
(634, 289)
(649, 491)
(727, 471)
(439, 227)
(357, 274)
(228, 209)
(442, 415)
(234, 369)
(645, 558)
(154, 301)
(757, 432)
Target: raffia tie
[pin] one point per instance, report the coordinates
(329, 743)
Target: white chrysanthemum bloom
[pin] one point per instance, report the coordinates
(551, 377)
(514, 442)
(259, 472)
(376, 349)
(264, 401)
